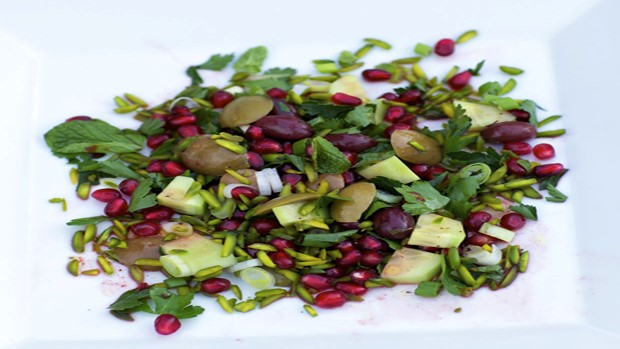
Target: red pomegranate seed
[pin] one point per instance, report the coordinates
(144, 229)
(515, 168)
(350, 258)
(434, 170)
(254, 132)
(215, 285)
(393, 112)
(182, 119)
(266, 146)
(479, 239)
(265, 225)
(376, 75)
(256, 161)
(172, 169)
(547, 170)
(345, 99)
(460, 80)
(349, 225)
(282, 260)
(390, 96)
(238, 214)
(351, 288)
(180, 110)
(167, 324)
(512, 221)
(444, 47)
(291, 178)
(544, 151)
(390, 129)
(519, 148)
(368, 242)
(248, 192)
(281, 243)
(371, 258)
(345, 246)
(363, 275)
(352, 157)
(410, 97)
(187, 131)
(421, 170)
(106, 194)
(521, 115)
(475, 220)
(407, 119)
(229, 224)
(128, 186)
(336, 272)
(79, 118)
(115, 208)
(348, 177)
(330, 299)
(157, 213)
(277, 93)
(316, 281)
(221, 98)
(287, 148)
(155, 141)
(155, 166)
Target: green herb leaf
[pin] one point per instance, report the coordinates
(361, 116)
(452, 285)
(374, 207)
(251, 60)
(421, 198)
(454, 130)
(460, 191)
(325, 239)
(491, 87)
(152, 126)
(370, 158)
(88, 220)
(117, 168)
(387, 184)
(551, 180)
(130, 300)
(428, 288)
(557, 195)
(167, 302)
(530, 107)
(193, 74)
(423, 49)
(346, 59)
(142, 196)
(476, 70)
(492, 158)
(327, 158)
(326, 110)
(217, 62)
(526, 211)
(503, 103)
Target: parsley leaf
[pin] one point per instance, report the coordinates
(130, 300)
(152, 127)
(491, 158)
(327, 158)
(460, 191)
(503, 103)
(251, 60)
(454, 130)
(167, 302)
(361, 116)
(216, 62)
(325, 110)
(421, 198)
(142, 196)
(526, 211)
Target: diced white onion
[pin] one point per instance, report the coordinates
(482, 256)
(274, 179)
(235, 90)
(190, 103)
(243, 265)
(262, 182)
(244, 128)
(178, 228)
(229, 188)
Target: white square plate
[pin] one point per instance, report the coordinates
(71, 57)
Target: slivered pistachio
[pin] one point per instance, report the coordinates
(61, 201)
(512, 253)
(304, 294)
(236, 291)
(552, 133)
(232, 138)
(136, 273)
(548, 120)
(230, 241)
(466, 36)
(363, 51)
(511, 275)
(83, 190)
(223, 302)
(74, 267)
(240, 76)
(417, 145)
(135, 100)
(418, 71)
(407, 60)
(105, 265)
(209, 272)
(121, 102)
(244, 307)
(289, 274)
(74, 175)
(454, 260)
(465, 275)
(524, 259)
(126, 109)
(379, 43)
(264, 258)
(90, 272)
(351, 67)
(270, 292)
(310, 310)
(531, 193)
(147, 262)
(232, 146)
(271, 299)
(262, 247)
(510, 70)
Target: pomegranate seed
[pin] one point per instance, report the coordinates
(167, 324)
(265, 225)
(349, 225)
(266, 146)
(479, 239)
(410, 97)
(460, 80)
(351, 288)
(116, 207)
(180, 110)
(548, 170)
(248, 192)
(215, 285)
(521, 115)
(330, 299)
(345, 246)
(434, 170)
(421, 170)
(282, 260)
(144, 229)
(368, 242)
(281, 243)
(187, 131)
(371, 258)
(79, 118)
(229, 224)
(519, 148)
(182, 119)
(277, 93)
(238, 214)
(287, 148)
(349, 258)
(407, 119)
(316, 281)
(221, 98)
(475, 220)
(393, 112)
(390, 96)
(128, 186)
(348, 177)
(390, 129)
(363, 275)
(444, 47)
(515, 168)
(106, 194)
(544, 151)
(155, 166)
(157, 213)
(512, 221)
(291, 178)
(428, 249)
(345, 99)
(254, 132)
(172, 169)
(376, 75)
(352, 157)
(336, 272)
(155, 141)
(142, 286)
(256, 161)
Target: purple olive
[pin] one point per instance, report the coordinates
(509, 131)
(280, 107)
(284, 127)
(355, 143)
(393, 223)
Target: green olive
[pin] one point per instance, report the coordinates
(415, 147)
(361, 194)
(204, 156)
(245, 110)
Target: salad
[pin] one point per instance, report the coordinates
(305, 186)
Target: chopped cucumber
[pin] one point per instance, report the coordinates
(392, 168)
(290, 214)
(482, 115)
(187, 255)
(434, 230)
(175, 196)
(497, 232)
(411, 266)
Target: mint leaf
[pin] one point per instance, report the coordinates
(151, 127)
(361, 116)
(251, 60)
(180, 306)
(216, 62)
(530, 107)
(526, 211)
(327, 158)
(117, 168)
(130, 300)
(421, 198)
(142, 196)
(280, 72)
